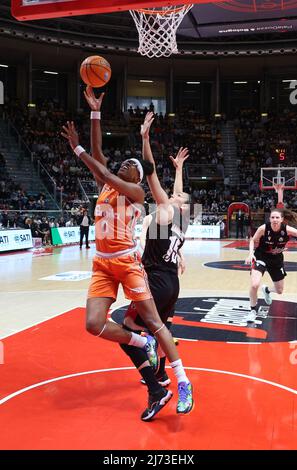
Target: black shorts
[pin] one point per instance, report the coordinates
(164, 287)
(274, 265)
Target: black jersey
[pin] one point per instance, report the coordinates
(273, 243)
(163, 243)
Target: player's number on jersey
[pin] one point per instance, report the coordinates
(171, 255)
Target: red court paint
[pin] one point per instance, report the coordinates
(102, 410)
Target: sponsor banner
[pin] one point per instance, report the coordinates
(73, 276)
(194, 231)
(11, 240)
(65, 235)
(203, 231)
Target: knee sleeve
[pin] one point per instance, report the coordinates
(137, 355)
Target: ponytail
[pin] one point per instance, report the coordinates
(290, 216)
(287, 215)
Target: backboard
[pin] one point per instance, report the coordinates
(286, 176)
(39, 9)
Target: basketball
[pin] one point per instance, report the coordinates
(95, 71)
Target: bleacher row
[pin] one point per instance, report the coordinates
(257, 141)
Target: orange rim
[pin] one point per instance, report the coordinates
(173, 9)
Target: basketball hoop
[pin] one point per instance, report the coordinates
(157, 29)
(278, 187)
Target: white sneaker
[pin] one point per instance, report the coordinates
(251, 317)
(267, 295)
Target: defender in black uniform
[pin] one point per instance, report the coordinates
(271, 240)
(164, 233)
(161, 258)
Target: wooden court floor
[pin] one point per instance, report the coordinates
(63, 389)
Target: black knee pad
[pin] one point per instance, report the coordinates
(137, 355)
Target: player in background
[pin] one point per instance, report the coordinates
(266, 254)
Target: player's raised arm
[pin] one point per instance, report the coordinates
(96, 133)
(178, 163)
(158, 192)
(145, 225)
(181, 263)
(132, 190)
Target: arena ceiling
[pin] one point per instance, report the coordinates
(233, 23)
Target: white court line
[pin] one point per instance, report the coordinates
(42, 290)
(202, 369)
(35, 324)
(184, 339)
(45, 319)
(242, 342)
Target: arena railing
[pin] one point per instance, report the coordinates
(85, 197)
(50, 184)
(11, 129)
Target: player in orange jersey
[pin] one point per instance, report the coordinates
(117, 260)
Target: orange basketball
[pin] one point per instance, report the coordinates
(95, 71)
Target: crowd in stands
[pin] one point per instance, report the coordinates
(40, 129)
(38, 222)
(14, 197)
(257, 141)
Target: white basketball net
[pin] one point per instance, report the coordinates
(157, 29)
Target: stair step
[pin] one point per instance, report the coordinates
(229, 146)
(20, 167)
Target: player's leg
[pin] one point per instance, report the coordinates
(87, 237)
(158, 396)
(81, 236)
(134, 284)
(166, 308)
(148, 312)
(161, 375)
(277, 274)
(102, 293)
(159, 283)
(255, 281)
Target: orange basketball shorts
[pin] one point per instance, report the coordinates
(126, 270)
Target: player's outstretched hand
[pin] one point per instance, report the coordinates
(180, 158)
(93, 102)
(70, 133)
(145, 127)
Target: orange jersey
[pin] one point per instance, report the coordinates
(115, 219)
